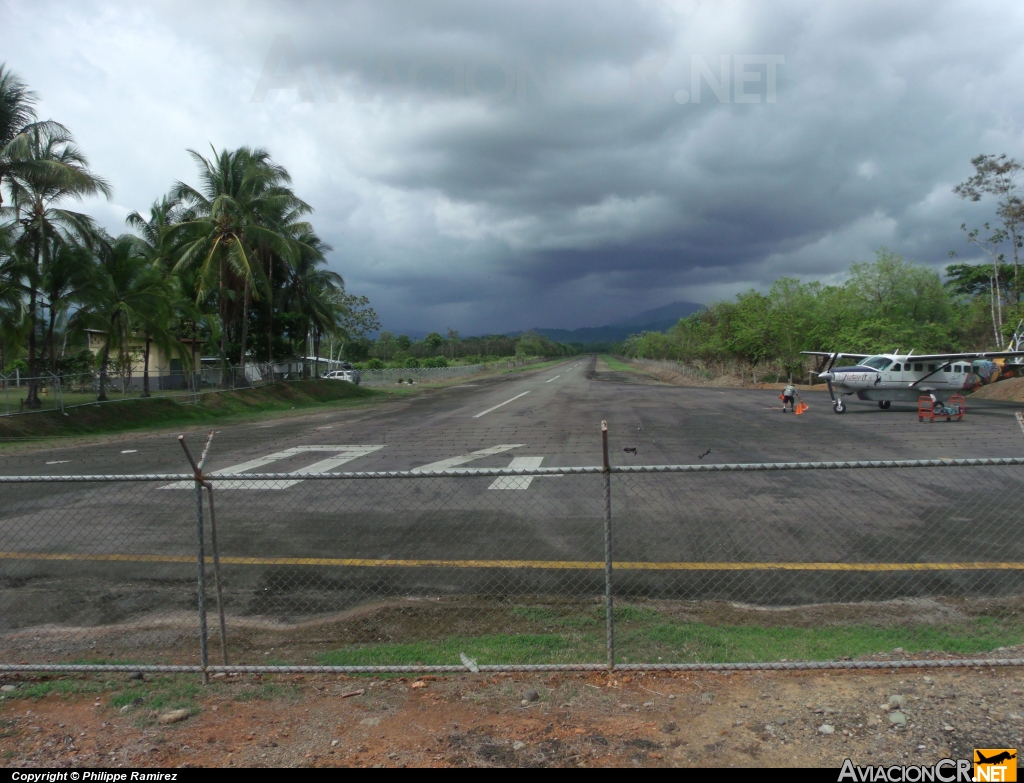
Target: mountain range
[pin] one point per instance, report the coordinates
(656, 320)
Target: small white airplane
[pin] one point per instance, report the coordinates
(904, 377)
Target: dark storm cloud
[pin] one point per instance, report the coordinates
(491, 167)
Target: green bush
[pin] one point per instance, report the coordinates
(437, 361)
(411, 362)
(375, 364)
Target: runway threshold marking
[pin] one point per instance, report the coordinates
(541, 564)
(517, 482)
(500, 404)
(454, 462)
(343, 454)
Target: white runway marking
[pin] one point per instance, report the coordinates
(342, 454)
(483, 413)
(58, 461)
(517, 482)
(129, 451)
(453, 462)
(553, 379)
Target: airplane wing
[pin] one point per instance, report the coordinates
(837, 355)
(946, 357)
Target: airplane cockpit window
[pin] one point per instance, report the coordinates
(895, 368)
(878, 362)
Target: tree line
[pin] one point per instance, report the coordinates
(437, 350)
(886, 304)
(231, 261)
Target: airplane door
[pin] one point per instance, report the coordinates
(895, 373)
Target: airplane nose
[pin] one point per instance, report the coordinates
(824, 376)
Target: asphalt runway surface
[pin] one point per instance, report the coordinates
(95, 553)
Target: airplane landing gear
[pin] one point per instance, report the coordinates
(884, 404)
(838, 406)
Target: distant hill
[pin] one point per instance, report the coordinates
(656, 320)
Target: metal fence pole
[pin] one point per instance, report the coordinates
(204, 657)
(609, 617)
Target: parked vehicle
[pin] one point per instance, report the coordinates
(350, 375)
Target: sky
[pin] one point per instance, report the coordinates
(492, 167)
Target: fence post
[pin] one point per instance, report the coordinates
(204, 659)
(609, 617)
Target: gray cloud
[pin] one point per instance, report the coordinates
(492, 167)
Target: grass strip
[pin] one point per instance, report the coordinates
(650, 641)
(161, 412)
(616, 366)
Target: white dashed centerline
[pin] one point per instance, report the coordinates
(553, 379)
(484, 413)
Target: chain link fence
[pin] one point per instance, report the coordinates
(444, 567)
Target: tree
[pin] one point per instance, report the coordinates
(63, 282)
(997, 175)
(126, 296)
(989, 243)
(453, 340)
(17, 112)
(434, 340)
(46, 170)
(385, 341)
(232, 214)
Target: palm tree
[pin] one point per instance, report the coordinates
(240, 193)
(17, 112)
(12, 300)
(313, 292)
(289, 222)
(47, 169)
(63, 281)
(157, 243)
(127, 295)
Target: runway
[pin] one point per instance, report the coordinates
(293, 547)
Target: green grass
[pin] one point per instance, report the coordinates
(494, 648)
(642, 635)
(730, 644)
(616, 366)
(160, 412)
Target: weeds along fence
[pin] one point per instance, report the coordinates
(487, 569)
(685, 370)
(714, 370)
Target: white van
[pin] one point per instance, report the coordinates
(352, 376)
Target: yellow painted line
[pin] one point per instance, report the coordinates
(542, 564)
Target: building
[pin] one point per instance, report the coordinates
(166, 370)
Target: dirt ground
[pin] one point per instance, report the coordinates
(742, 719)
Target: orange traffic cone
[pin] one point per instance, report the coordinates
(800, 407)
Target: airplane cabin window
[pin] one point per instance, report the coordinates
(932, 367)
(918, 367)
(878, 363)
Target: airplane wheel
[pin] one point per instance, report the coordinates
(838, 406)
(884, 404)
